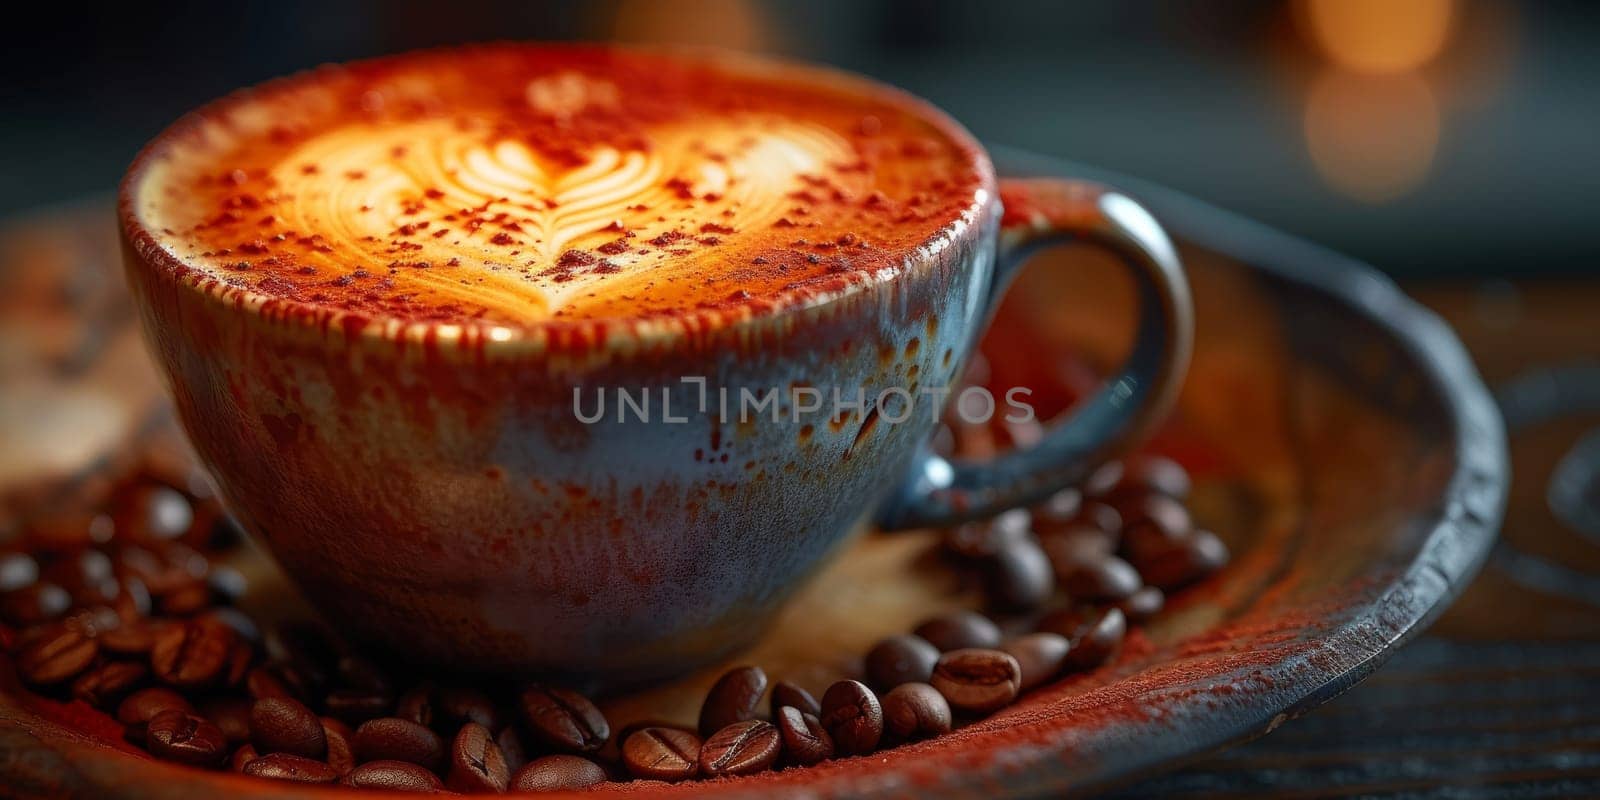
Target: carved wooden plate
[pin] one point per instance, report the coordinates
(1341, 441)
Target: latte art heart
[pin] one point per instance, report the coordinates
(511, 186)
(497, 207)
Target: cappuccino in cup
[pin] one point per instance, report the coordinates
(378, 290)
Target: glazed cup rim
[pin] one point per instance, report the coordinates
(524, 338)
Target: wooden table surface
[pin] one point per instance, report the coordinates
(1500, 698)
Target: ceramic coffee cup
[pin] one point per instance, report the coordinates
(443, 491)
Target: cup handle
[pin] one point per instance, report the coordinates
(1037, 213)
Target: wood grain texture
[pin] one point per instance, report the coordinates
(1502, 698)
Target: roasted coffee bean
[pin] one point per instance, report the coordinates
(1069, 621)
(1143, 604)
(977, 681)
(958, 630)
(174, 735)
(743, 748)
(983, 538)
(105, 684)
(230, 714)
(1155, 474)
(915, 711)
(1073, 622)
(17, 571)
(662, 754)
(1102, 516)
(1076, 545)
(417, 705)
(290, 767)
(393, 776)
(455, 706)
(1020, 577)
(902, 658)
(1063, 506)
(34, 604)
(132, 600)
(341, 753)
(1149, 539)
(1170, 517)
(733, 698)
(785, 693)
(156, 573)
(805, 740)
(1097, 638)
(564, 719)
(186, 600)
(192, 654)
(93, 621)
(1159, 532)
(55, 654)
(131, 638)
(638, 725)
(1040, 656)
(853, 717)
(395, 739)
(142, 706)
(511, 747)
(281, 725)
(1197, 555)
(276, 679)
(1103, 479)
(1109, 578)
(476, 763)
(356, 706)
(240, 658)
(242, 757)
(556, 773)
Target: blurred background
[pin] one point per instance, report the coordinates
(1451, 143)
(1427, 137)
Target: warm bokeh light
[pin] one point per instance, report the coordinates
(1477, 65)
(1382, 36)
(1372, 137)
(733, 24)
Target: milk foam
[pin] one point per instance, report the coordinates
(435, 187)
(372, 181)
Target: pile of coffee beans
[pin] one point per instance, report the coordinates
(127, 613)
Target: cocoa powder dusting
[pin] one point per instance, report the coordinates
(546, 115)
